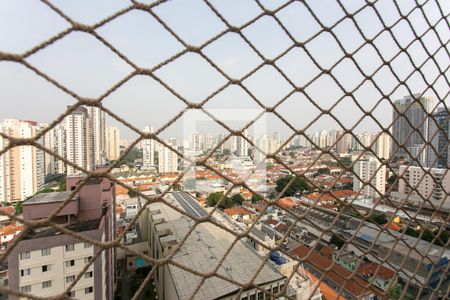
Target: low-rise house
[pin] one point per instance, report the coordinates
(378, 275)
(238, 212)
(346, 260)
(7, 233)
(334, 281)
(5, 212)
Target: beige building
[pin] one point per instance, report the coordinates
(382, 145)
(344, 142)
(97, 135)
(55, 140)
(148, 150)
(21, 168)
(47, 272)
(78, 142)
(369, 170)
(112, 143)
(85, 138)
(46, 262)
(167, 160)
(434, 186)
(410, 120)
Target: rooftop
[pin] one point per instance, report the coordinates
(354, 285)
(202, 251)
(48, 198)
(238, 210)
(371, 268)
(75, 227)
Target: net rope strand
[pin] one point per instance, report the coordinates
(297, 216)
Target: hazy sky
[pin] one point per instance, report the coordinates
(87, 67)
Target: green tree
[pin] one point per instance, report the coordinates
(18, 208)
(177, 187)
(297, 186)
(348, 186)
(256, 198)
(237, 199)
(321, 171)
(411, 232)
(132, 194)
(62, 186)
(131, 156)
(337, 241)
(346, 161)
(379, 219)
(392, 179)
(214, 198)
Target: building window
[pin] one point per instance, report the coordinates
(71, 294)
(25, 272)
(70, 247)
(88, 274)
(47, 284)
(46, 268)
(70, 263)
(70, 278)
(87, 259)
(88, 290)
(45, 252)
(87, 245)
(25, 289)
(24, 255)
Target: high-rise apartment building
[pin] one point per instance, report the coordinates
(197, 142)
(344, 142)
(78, 140)
(263, 144)
(55, 140)
(382, 145)
(320, 138)
(112, 143)
(210, 141)
(439, 133)
(45, 262)
(85, 138)
(230, 144)
(417, 186)
(97, 135)
(242, 145)
(148, 151)
(22, 168)
(369, 170)
(410, 128)
(167, 160)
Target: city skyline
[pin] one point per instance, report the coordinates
(126, 170)
(230, 53)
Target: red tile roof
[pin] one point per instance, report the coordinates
(238, 210)
(283, 228)
(327, 252)
(10, 229)
(337, 274)
(271, 222)
(369, 269)
(285, 202)
(9, 210)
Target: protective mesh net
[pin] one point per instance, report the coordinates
(432, 70)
